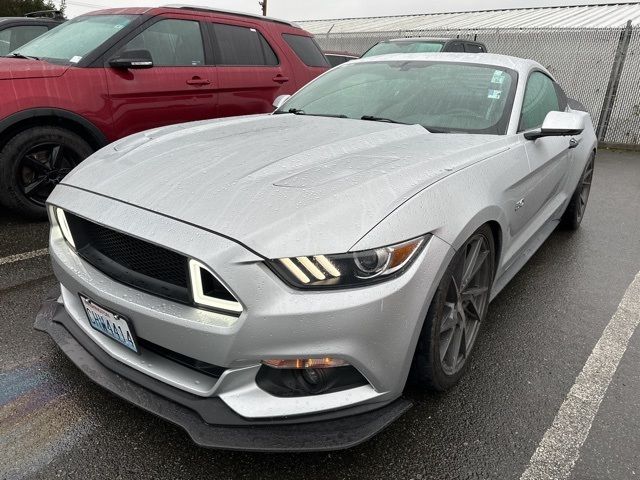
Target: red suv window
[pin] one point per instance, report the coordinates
(307, 49)
(242, 46)
(171, 42)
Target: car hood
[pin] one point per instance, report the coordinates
(17, 68)
(283, 185)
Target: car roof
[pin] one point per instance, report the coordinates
(521, 65)
(194, 8)
(430, 39)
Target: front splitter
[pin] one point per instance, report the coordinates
(311, 433)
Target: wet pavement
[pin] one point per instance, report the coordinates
(539, 333)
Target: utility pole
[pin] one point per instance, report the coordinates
(263, 4)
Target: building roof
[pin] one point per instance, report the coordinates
(579, 16)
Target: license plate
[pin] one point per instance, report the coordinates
(110, 324)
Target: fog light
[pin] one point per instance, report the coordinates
(314, 376)
(301, 363)
(300, 382)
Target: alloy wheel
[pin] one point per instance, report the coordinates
(42, 167)
(465, 305)
(585, 189)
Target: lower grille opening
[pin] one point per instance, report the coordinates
(198, 365)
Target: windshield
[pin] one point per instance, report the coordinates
(440, 96)
(73, 40)
(384, 48)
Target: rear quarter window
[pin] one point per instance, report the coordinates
(474, 48)
(454, 47)
(306, 49)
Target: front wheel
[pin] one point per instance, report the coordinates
(455, 315)
(33, 162)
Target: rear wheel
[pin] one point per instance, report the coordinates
(33, 162)
(573, 215)
(455, 315)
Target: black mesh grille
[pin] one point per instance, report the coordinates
(132, 261)
(139, 256)
(138, 263)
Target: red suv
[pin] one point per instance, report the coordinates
(108, 74)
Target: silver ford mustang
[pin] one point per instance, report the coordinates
(271, 282)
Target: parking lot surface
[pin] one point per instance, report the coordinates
(540, 332)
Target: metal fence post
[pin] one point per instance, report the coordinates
(614, 81)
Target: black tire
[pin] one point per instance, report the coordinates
(573, 215)
(33, 162)
(430, 369)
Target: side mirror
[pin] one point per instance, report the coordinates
(558, 124)
(132, 59)
(279, 101)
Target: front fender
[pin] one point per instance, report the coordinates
(455, 207)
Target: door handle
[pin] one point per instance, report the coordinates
(574, 142)
(280, 79)
(197, 81)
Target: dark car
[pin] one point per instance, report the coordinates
(425, 45)
(111, 73)
(16, 31)
(338, 58)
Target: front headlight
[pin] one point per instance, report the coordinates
(351, 269)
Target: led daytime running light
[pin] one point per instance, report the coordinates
(64, 226)
(197, 289)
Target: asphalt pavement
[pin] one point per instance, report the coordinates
(540, 332)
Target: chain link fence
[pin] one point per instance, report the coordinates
(624, 124)
(600, 67)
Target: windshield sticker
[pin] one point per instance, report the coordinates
(75, 59)
(494, 94)
(118, 26)
(498, 77)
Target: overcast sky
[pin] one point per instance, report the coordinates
(315, 9)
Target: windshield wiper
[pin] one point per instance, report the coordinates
(372, 118)
(19, 55)
(298, 111)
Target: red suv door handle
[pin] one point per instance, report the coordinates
(280, 79)
(197, 81)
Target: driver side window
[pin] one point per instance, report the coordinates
(172, 43)
(540, 98)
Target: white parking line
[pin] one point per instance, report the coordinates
(24, 256)
(560, 447)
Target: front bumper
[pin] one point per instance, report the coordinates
(224, 428)
(374, 329)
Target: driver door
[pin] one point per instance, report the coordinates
(180, 87)
(548, 156)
